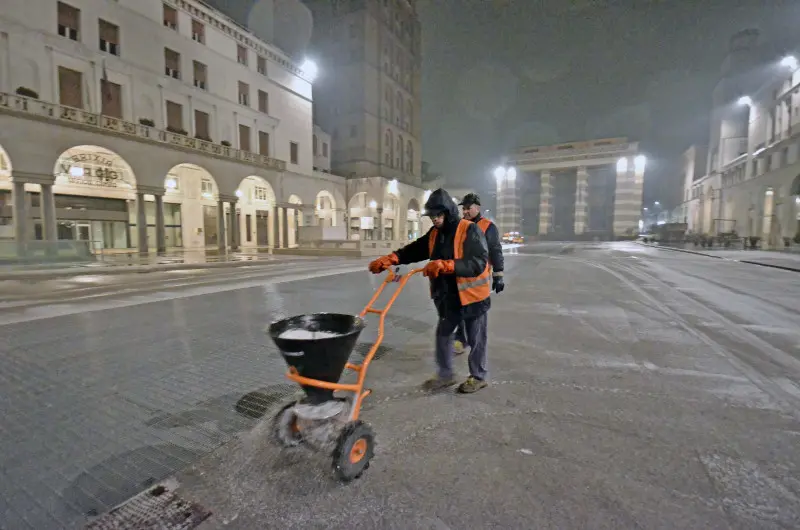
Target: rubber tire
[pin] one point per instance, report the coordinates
(343, 469)
(280, 424)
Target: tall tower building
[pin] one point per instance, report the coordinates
(367, 95)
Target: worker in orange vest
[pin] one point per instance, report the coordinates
(471, 209)
(460, 284)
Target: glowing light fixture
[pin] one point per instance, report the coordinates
(746, 101)
(171, 183)
(373, 204)
(76, 171)
(426, 196)
(790, 62)
(310, 69)
(622, 165)
(639, 163)
(239, 193)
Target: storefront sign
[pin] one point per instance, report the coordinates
(92, 170)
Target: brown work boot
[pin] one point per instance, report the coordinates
(438, 383)
(471, 385)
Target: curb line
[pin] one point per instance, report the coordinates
(749, 262)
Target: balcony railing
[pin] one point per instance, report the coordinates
(64, 114)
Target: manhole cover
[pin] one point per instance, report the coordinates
(157, 508)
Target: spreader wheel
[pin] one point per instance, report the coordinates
(354, 449)
(284, 427)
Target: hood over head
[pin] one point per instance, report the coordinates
(441, 201)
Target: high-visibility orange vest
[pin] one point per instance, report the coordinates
(470, 290)
(484, 224)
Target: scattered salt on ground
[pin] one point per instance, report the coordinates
(303, 334)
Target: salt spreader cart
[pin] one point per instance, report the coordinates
(317, 356)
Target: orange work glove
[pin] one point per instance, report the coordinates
(439, 266)
(383, 263)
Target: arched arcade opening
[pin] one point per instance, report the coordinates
(95, 199)
(191, 213)
(256, 215)
(325, 208)
(362, 212)
(413, 225)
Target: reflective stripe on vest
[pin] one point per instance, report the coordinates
(470, 290)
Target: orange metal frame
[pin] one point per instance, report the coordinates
(361, 369)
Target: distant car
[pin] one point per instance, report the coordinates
(513, 238)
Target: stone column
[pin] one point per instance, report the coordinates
(544, 203)
(233, 227)
(141, 222)
(20, 213)
(221, 226)
(628, 200)
(161, 233)
(276, 227)
(285, 225)
(380, 224)
(48, 210)
(581, 192)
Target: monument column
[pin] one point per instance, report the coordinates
(545, 196)
(581, 192)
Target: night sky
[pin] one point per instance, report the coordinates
(503, 73)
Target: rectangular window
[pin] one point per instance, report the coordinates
(244, 94)
(206, 188)
(111, 94)
(294, 153)
(70, 87)
(170, 17)
(260, 193)
(174, 116)
(262, 65)
(198, 32)
(325, 149)
(314, 145)
(241, 54)
(244, 138)
(202, 125)
(263, 102)
(172, 63)
(69, 21)
(109, 37)
(200, 75)
(263, 143)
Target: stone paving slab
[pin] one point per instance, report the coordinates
(604, 412)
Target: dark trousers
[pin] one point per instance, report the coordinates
(461, 334)
(476, 335)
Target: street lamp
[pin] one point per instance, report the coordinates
(310, 70)
(639, 162)
(657, 203)
(790, 62)
(502, 172)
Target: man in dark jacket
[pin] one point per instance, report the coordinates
(471, 208)
(459, 281)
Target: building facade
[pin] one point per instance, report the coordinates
(368, 97)
(577, 190)
(154, 124)
(751, 184)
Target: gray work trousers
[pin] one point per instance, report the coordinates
(477, 335)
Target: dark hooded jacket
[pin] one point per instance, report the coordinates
(444, 289)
